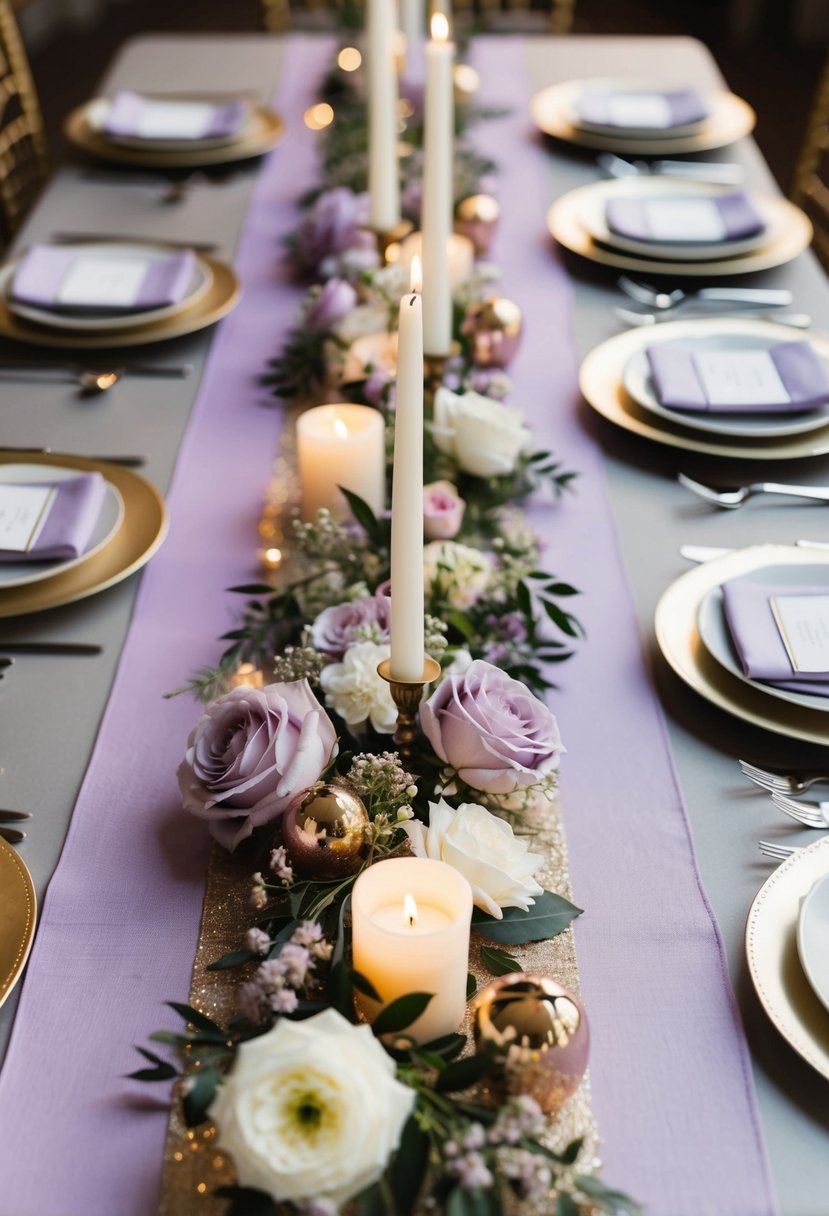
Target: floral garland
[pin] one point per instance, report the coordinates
(316, 1110)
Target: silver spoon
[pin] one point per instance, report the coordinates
(795, 320)
(658, 299)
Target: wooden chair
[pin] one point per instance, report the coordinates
(23, 155)
(544, 16)
(810, 189)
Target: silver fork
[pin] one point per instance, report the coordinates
(779, 852)
(654, 297)
(794, 320)
(731, 499)
(782, 783)
(810, 814)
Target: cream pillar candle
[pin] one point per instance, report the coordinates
(438, 189)
(414, 944)
(407, 652)
(383, 177)
(460, 255)
(341, 445)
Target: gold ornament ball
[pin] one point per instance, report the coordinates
(538, 1032)
(325, 831)
(476, 217)
(494, 325)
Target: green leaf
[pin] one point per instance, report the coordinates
(252, 589)
(372, 1202)
(162, 1070)
(201, 1020)
(498, 961)
(340, 991)
(460, 622)
(339, 945)
(604, 1198)
(401, 1013)
(566, 623)
(169, 1037)
(461, 1202)
(198, 1098)
(448, 1046)
(365, 986)
(566, 1205)
(246, 1201)
(546, 918)
(463, 1073)
(235, 959)
(361, 511)
(409, 1168)
(471, 982)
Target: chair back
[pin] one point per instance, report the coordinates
(545, 16)
(23, 155)
(810, 189)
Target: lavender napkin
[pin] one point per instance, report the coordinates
(787, 378)
(71, 521)
(658, 111)
(684, 219)
(757, 640)
(152, 118)
(73, 280)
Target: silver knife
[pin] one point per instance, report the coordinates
(706, 553)
(52, 647)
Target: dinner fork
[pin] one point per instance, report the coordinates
(783, 783)
(794, 320)
(810, 814)
(662, 300)
(731, 499)
(779, 852)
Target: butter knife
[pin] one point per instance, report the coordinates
(81, 648)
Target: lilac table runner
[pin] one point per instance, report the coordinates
(671, 1079)
(119, 926)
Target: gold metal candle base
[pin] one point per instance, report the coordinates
(388, 239)
(434, 368)
(407, 695)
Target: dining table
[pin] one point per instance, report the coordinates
(701, 1105)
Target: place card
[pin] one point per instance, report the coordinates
(639, 110)
(24, 510)
(803, 622)
(685, 219)
(740, 378)
(175, 120)
(96, 282)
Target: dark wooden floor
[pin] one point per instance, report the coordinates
(771, 71)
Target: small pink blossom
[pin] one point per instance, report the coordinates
(258, 941)
(284, 1000)
(443, 510)
(280, 866)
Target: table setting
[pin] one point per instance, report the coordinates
(304, 930)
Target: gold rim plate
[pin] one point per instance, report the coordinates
(142, 532)
(221, 297)
(677, 636)
(18, 914)
(791, 228)
(730, 119)
(773, 962)
(601, 383)
(262, 133)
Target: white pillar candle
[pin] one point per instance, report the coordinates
(429, 953)
(438, 189)
(460, 255)
(383, 178)
(407, 609)
(341, 445)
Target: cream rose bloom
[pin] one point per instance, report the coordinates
(497, 864)
(460, 573)
(364, 319)
(311, 1110)
(483, 436)
(355, 690)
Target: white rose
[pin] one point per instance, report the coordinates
(482, 847)
(483, 436)
(355, 690)
(460, 573)
(364, 319)
(311, 1110)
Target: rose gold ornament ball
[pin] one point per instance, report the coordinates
(325, 831)
(538, 1032)
(494, 325)
(476, 217)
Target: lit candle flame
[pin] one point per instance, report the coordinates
(440, 27)
(416, 274)
(410, 911)
(339, 428)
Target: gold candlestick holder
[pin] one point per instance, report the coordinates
(388, 239)
(434, 368)
(407, 695)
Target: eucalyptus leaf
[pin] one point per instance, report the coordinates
(409, 1167)
(401, 1013)
(498, 961)
(199, 1019)
(462, 1074)
(235, 959)
(246, 1201)
(200, 1095)
(546, 918)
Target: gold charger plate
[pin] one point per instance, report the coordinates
(221, 297)
(730, 119)
(600, 380)
(793, 232)
(677, 635)
(18, 912)
(142, 532)
(773, 962)
(264, 132)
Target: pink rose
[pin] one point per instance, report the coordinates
(251, 753)
(491, 730)
(443, 510)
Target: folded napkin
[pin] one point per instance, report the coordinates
(139, 117)
(78, 280)
(787, 378)
(656, 111)
(73, 516)
(684, 218)
(757, 638)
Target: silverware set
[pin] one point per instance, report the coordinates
(784, 789)
(717, 173)
(91, 381)
(731, 499)
(13, 835)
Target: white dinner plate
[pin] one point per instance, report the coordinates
(98, 109)
(639, 384)
(19, 574)
(197, 289)
(715, 635)
(813, 938)
(570, 107)
(771, 950)
(593, 220)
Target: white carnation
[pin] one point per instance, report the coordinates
(355, 690)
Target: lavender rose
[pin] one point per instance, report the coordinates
(338, 627)
(330, 304)
(338, 221)
(491, 730)
(250, 754)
